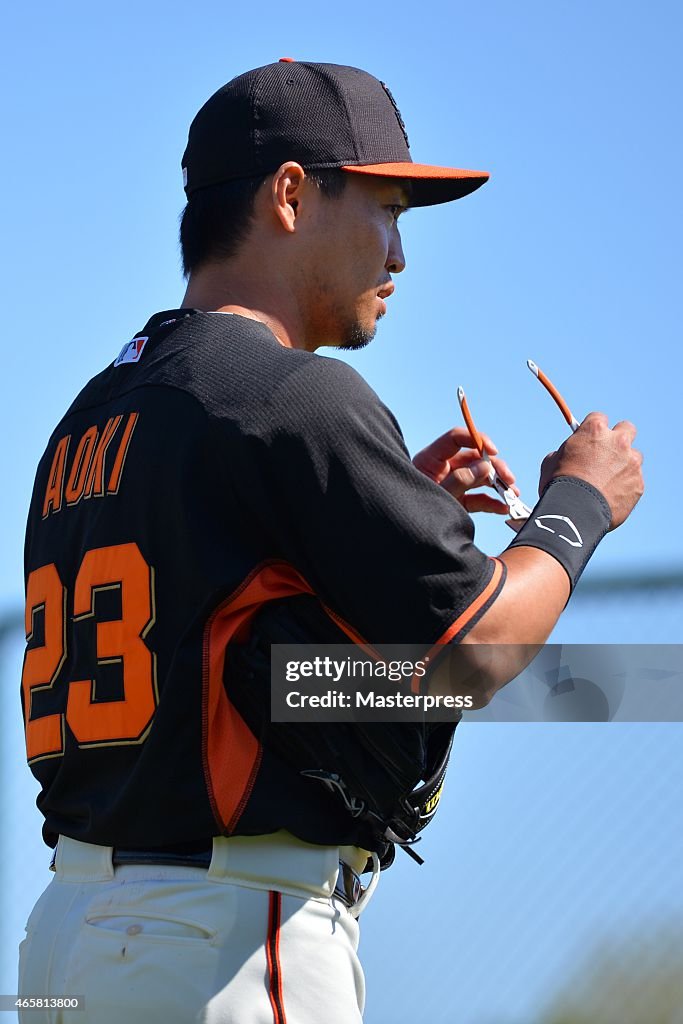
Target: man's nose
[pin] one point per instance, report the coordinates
(396, 261)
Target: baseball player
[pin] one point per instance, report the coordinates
(219, 487)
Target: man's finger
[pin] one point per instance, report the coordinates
(504, 472)
(594, 421)
(627, 428)
(446, 446)
(465, 457)
(490, 446)
(436, 469)
(463, 479)
(481, 502)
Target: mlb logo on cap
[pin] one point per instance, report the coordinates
(131, 351)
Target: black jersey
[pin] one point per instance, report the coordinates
(207, 471)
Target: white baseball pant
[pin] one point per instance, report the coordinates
(258, 938)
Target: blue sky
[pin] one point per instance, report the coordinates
(570, 255)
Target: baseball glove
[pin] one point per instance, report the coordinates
(389, 776)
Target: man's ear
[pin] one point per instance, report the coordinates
(286, 193)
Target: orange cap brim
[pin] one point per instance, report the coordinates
(429, 185)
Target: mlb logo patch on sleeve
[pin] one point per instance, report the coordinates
(131, 351)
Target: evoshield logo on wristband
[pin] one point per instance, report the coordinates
(565, 519)
(552, 530)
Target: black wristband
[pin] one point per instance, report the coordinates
(569, 521)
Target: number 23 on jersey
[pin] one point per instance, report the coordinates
(121, 641)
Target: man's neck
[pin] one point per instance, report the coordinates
(211, 290)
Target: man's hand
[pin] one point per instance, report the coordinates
(604, 458)
(454, 463)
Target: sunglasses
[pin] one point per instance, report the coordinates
(519, 512)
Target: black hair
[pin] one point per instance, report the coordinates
(216, 219)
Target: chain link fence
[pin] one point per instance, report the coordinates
(634, 608)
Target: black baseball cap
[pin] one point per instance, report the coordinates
(321, 115)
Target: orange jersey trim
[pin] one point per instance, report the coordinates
(231, 753)
(465, 617)
(472, 609)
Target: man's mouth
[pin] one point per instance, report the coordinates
(384, 292)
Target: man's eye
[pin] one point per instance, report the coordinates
(396, 211)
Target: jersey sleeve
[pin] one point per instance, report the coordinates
(382, 545)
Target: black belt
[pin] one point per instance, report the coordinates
(200, 858)
(348, 888)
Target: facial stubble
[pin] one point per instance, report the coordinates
(357, 336)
